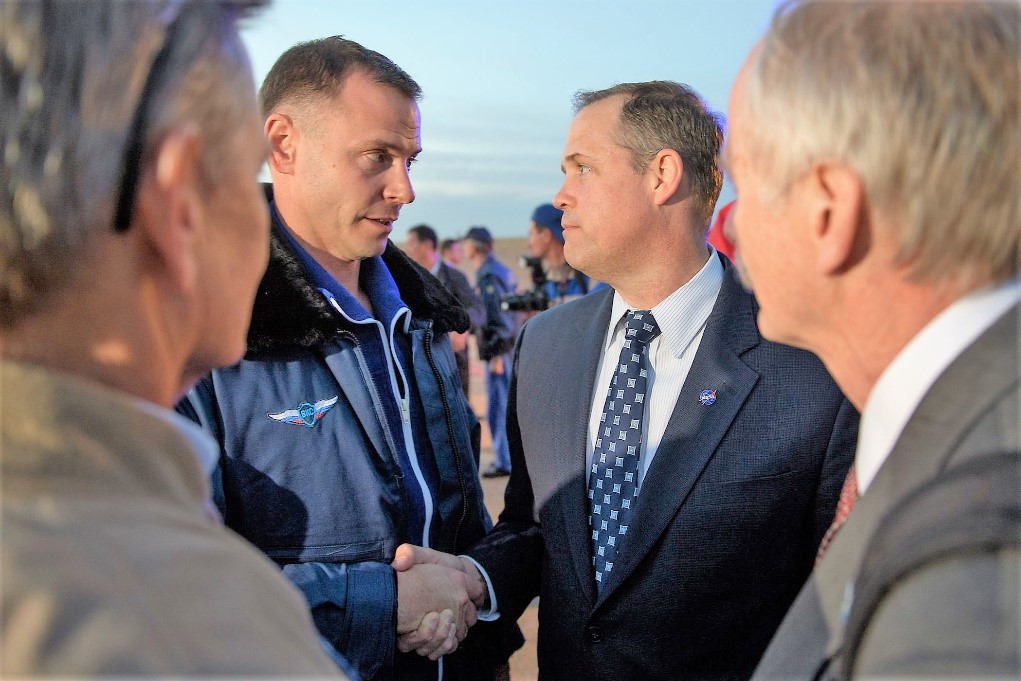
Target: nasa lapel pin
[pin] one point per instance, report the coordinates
(707, 398)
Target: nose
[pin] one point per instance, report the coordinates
(562, 199)
(399, 189)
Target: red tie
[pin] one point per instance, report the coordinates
(848, 495)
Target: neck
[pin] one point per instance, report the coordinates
(862, 340)
(643, 288)
(125, 351)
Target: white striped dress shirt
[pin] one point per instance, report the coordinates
(681, 317)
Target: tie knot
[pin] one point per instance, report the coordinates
(640, 326)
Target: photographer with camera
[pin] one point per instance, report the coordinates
(495, 332)
(554, 281)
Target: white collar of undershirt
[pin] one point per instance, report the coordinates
(907, 379)
(683, 313)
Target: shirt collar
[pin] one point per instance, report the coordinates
(683, 313)
(435, 269)
(374, 277)
(207, 451)
(905, 382)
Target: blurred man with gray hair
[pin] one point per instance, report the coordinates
(879, 222)
(133, 237)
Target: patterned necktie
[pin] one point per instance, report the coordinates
(613, 478)
(848, 496)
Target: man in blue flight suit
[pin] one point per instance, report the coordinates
(344, 430)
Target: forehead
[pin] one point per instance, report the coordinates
(364, 108)
(595, 125)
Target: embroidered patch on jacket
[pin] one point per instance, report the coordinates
(306, 414)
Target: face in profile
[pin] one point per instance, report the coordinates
(538, 240)
(604, 200)
(236, 248)
(354, 167)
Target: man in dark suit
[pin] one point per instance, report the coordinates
(420, 246)
(895, 258)
(673, 472)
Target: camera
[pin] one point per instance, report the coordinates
(533, 300)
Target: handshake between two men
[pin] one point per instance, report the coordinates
(439, 597)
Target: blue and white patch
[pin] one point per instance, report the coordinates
(707, 398)
(306, 414)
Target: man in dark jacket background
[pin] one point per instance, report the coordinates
(421, 246)
(344, 430)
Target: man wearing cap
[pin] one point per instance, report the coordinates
(134, 235)
(495, 333)
(546, 241)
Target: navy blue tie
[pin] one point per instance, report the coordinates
(613, 478)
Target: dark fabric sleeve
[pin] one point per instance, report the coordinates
(512, 553)
(496, 335)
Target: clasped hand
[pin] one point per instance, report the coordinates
(438, 596)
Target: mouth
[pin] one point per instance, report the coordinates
(387, 222)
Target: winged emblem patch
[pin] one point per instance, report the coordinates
(306, 414)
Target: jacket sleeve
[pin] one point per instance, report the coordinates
(512, 552)
(496, 335)
(354, 606)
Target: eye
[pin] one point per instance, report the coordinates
(411, 161)
(583, 169)
(376, 156)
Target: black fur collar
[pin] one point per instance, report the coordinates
(290, 312)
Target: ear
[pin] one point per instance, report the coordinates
(170, 206)
(836, 202)
(281, 135)
(666, 173)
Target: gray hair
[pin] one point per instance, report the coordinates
(661, 115)
(72, 77)
(921, 100)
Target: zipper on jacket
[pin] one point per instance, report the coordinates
(400, 390)
(450, 433)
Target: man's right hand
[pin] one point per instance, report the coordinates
(424, 588)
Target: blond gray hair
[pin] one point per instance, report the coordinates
(73, 74)
(921, 100)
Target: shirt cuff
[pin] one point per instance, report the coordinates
(493, 613)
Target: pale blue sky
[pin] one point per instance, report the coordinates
(498, 80)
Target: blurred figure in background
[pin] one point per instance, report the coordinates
(451, 252)
(495, 332)
(133, 237)
(420, 246)
(546, 242)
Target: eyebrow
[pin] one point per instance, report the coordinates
(571, 158)
(389, 146)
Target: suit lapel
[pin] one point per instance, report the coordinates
(571, 408)
(694, 430)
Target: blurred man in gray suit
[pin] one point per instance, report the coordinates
(879, 225)
(133, 235)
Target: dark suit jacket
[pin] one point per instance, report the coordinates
(971, 409)
(725, 530)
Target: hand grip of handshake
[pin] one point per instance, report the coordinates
(438, 599)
